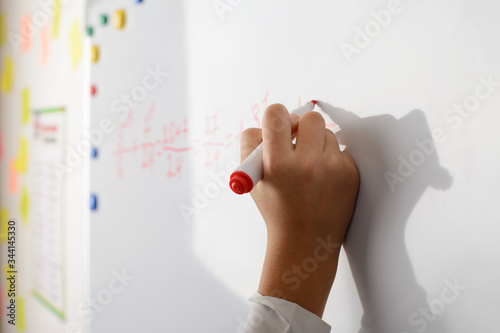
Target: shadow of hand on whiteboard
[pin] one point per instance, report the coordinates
(397, 161)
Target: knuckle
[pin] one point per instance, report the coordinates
(276, 109)
(250, 133)
(314, 116)
(267, 135)
(345, 171)
(330, 137)
(355, 177)
(352, 172)
(275, 117)
(329, 133)
(250, 139)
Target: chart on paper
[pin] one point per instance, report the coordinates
(49, 133)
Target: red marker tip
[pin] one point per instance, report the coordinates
(314, 101)
(240, 182)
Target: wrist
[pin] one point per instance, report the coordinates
(300, 270)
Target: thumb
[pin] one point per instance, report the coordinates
(250, 139)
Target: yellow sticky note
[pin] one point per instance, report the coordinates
(22, 156)
(25, 103)
(4, 219)
(119, 19)
(21, 318)
(57, 16)
(8, 74)
(94, 53)
(75, 41)
(3, 28)
(24, 206)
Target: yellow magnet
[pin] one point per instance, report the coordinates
(119, 19)
(94, 53)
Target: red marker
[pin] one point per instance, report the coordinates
(244, 178)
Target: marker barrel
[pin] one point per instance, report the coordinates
(250, 171)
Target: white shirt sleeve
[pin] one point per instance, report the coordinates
(276, 315)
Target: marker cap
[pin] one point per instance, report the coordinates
(240, 182)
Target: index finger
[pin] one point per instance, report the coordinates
(276, 132)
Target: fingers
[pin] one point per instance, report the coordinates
(331, 143)
(295, 124)
(311, 134)
(250, 139)
(276, 129)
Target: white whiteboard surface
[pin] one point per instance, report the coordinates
(405, 247)
(137, 228)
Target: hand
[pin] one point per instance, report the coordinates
(308, 192)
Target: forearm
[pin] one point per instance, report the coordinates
(300, 273)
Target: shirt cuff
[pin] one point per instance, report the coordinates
(271, 314)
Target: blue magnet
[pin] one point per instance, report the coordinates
(93, 202)
(94, 152)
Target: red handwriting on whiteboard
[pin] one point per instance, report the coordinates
(155, 147)
(162, 147)
(211, 124)
(174, 166)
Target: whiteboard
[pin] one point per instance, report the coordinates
(419, 253)
(140, 176)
